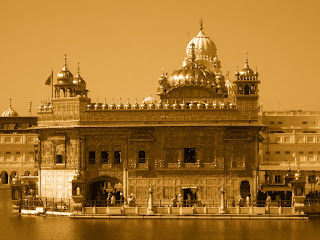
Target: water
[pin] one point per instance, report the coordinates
(13, 226)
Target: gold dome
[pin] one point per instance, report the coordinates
(246, 71)
(65, 76)
(10, 112)
(204, 47)
(191, 74)
(149, 100)
(78, 80)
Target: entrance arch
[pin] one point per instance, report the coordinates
(99, 189)
(244, 189)
(13, 174)
(4, 177)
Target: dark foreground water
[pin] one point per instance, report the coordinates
(13, 226)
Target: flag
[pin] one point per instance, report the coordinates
(49, 80)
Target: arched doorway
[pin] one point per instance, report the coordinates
(4, 177)
(13, 174)
(246, 90)
(244, 189)
(99, 191)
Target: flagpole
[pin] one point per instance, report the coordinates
(52, 84)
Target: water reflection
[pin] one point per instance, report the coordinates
(29, 227)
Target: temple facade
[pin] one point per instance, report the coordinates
(199, 134)
(17, 148)
(293, 142)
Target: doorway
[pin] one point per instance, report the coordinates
(189, 196)
(244, 189)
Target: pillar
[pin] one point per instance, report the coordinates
(125, 185)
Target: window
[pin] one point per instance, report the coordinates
(277, 179)
(301, 152)
(312, 178)
(17, 153)
(142, 156)
(104, 157)
(287, 152)
(59, 159)
(92, 157)
(189, 155)
(304, 123)
(310, 152)
(279, 122)
(8, 153)
(271, 122)
(117, 157)
(277, 152)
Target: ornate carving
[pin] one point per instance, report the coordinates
(115, 174)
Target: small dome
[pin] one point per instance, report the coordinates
(204, 47)
(135, 105)
(128, 105)
(10, 112)
(65, 76)
(78, 80)
(246, 71)
(104, 105)
(159, 105)
(148, 100)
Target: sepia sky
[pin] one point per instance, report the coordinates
(123, 46)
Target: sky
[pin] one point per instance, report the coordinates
(123, 46)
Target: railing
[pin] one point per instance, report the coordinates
(312, 201)
(103, 203)
(31, 203)
(51, 204)
(59, 204)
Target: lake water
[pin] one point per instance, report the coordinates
(13, 226)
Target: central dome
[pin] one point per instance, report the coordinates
(204, 47)
(191, 74)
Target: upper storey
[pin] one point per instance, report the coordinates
(198, 93)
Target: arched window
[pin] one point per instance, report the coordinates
(246, 90)
(142, 156)
(240, 90)
(253, 89)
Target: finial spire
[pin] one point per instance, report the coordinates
(201, 24)
(78, 69)
(10, 99)
(247, 65)
(65, 62)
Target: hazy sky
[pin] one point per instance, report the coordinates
(122, 46)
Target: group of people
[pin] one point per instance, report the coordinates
(110, 198)
(179, 202)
